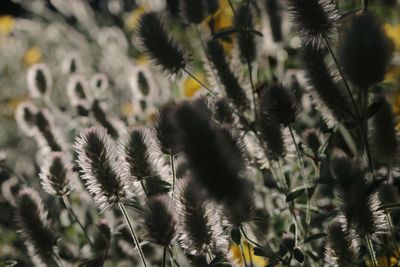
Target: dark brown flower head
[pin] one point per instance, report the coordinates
(274, 11)
(384, 137)
(32, 220)
(56, 174)
(278, 104)
(342, 247)
(233, 89)
(165, 130)
(246, 42)
(96, 158)
(159, 220)
(314, 19)
(323, 84)
(360, 202)
(161, 48)
(365, 51)
(194, 11)
(201, 229)
(213, 159)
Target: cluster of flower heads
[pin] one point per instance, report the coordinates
(266, 162)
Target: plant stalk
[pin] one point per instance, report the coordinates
(371, 250)
(68, 205)
(133, 233)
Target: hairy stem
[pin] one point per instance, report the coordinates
(304, 176)
(371, 250)
(172, 163)
(164, 256)
(68, 205)
(133, 233)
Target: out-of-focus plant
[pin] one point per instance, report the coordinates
(200, 133)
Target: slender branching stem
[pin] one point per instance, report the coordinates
(365, 4)
(291, 203)
(364, 130)
(305, 178)
(371, 250)
(328, 45)
(57, 259)
(144, 187)
(173, 257)
(392, 232)
(247, 237)
(133, 233)
(68, 205)
(172, 163)
(164, 256)
(244, 39)
(200, 82)
(243, 255)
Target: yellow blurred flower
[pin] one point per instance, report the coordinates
(393, 32)
(222, 19)
(191, 86)
(383, 262)
(237, 255)
(127, 109)
(142, 60)
(132, 19)
(32, 55)
(6, 24)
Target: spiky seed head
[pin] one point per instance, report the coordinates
(72, 63)
(77, 89)
(223, 112)
(233, 89)
(161, 48)
(138, 160)
(194, 11)
(25, 117)
(103, 119)
(278, 104)
(365, 51)
(10, 189)
(56, 174)
(384, 136)
(32, 220)
(200, 222)
(342, 247)
(99, 82)
(360, 202)
(274, 11)
(322, 83)
(39, 80)
(96, 158)
(272, 136)
(246, 42)
(314, 19)
(45, 130)
(159, 220)
(312, 139)
(212, 157)
(165, 131)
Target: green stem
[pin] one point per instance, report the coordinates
(244, 39)
(68, 205)
(172, 257)
(305, 178)
(133, 233)
(243, 255)
(371, 250)
(342, 76)
(57, 259)
(392, 233)
(200, 82)
(365, 130)
(164, 256)
(172, 162)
